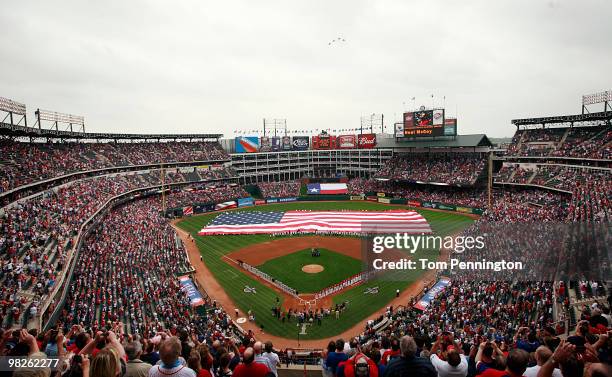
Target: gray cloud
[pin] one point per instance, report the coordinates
(203, 66)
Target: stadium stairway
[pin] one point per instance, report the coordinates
(193, 176)
(511, 177)
(532, 176)
(599, 135)
(567, 131)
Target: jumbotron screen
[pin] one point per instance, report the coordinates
(423, 123)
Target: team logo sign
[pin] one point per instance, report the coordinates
(371, 291)
(248, 289)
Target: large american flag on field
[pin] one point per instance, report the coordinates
(395, 221)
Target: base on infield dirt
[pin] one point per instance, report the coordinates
(313, 268)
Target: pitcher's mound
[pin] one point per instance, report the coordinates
(312, 268)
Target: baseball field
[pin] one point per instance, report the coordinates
(338, 262)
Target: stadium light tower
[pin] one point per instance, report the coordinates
(601, 97)
(278, 125)
(371, 121)
(56, 118)
(12, 108)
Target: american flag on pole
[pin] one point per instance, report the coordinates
(396, 221)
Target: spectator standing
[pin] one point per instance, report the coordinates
(336, 357)
(135, 366)
(250, 368)
(542, 354)
(171, 365)
(259, 357)
(409, 364)
(516, 364)
(272, 358)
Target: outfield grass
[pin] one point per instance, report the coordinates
(360, 305)
(288, 269)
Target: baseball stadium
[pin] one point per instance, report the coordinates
(399, 244)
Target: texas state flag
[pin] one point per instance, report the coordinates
(326, 188)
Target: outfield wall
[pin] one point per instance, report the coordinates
(380, 197)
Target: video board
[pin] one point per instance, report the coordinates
(425, 123)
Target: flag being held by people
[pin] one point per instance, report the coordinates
(395, 221)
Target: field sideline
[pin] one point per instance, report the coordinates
(233, 280)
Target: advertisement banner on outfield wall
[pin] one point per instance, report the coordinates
(201, 208)
(446, 207)
(276, 144)
(372, 198)
(225, 205)
(272, 200)
(464, 209)
(301, 143)
(291, 199)
(384, 200)
(346, 142)
(428, 205)
(414, 203)
(260, 202)
(245, 202)
(286, 143)
(380, 194)
(357, 197)
(366, 141)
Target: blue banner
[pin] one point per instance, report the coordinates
(245, 202)
(187, 286)
(432, 294)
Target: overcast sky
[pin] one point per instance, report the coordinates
(219, 66)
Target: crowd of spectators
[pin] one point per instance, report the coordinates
(188, 196)
(593, 141)
(126, 314)
(451, 169)
(591, 190)
(587, 142)
(592, 200)
(527, 205)
(127, 271)
(22, 163)
(469, 197)
(36, 234)
(279, 189)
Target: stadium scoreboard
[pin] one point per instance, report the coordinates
(426, 123)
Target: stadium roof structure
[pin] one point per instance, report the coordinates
(459, 141)
(13, 130)
(603, 115)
